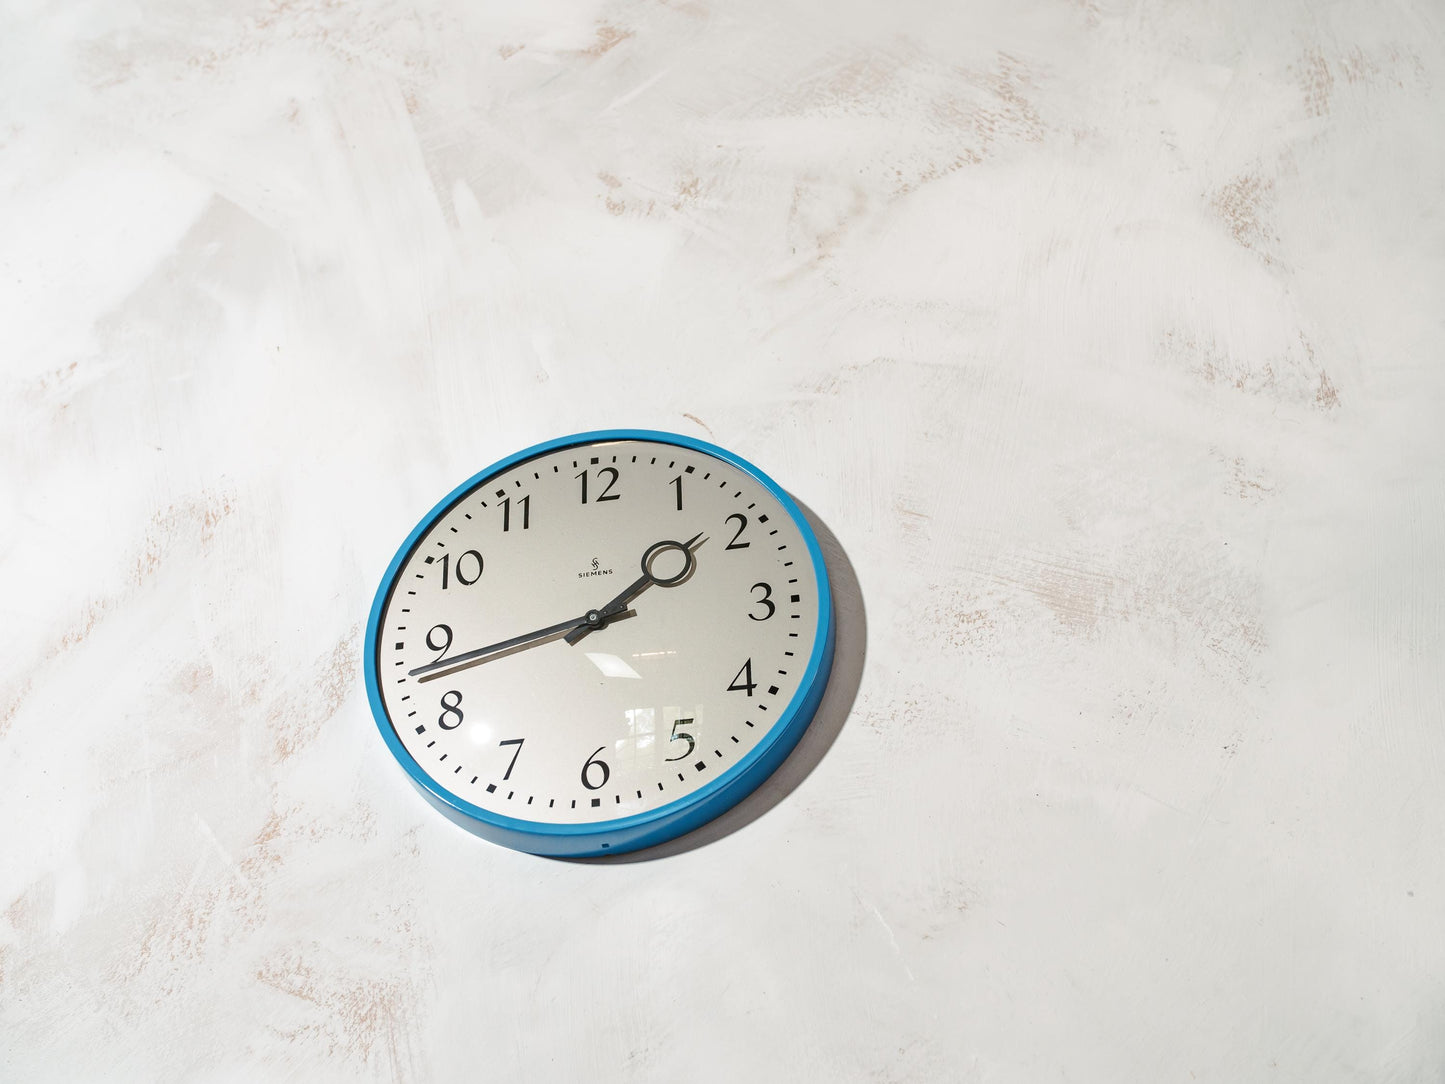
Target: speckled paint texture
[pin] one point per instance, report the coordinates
(1107, 341)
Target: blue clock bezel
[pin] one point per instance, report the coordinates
(677, 817)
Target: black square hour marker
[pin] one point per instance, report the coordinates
(491, 788)
(793, 598)
(594, 460)
(596, 801)
(772, 690)
(429, 560)
(400, 646)
(688, 470)
(700, 765)
(501, 493)
(421, 730)
(762, 519)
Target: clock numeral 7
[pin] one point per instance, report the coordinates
(683, 736)
(606, 494)
(515, 754)
(747, 685)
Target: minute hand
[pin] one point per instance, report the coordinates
(429, 671)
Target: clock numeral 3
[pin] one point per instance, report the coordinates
(526, 506)
(515, 754)
(747, 685)
(742, 526)
(593, 762)
(766, 600)
(460, 570)
(683, 736)
(606, 494)
(453, 707)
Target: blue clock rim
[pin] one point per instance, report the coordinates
(679, 816)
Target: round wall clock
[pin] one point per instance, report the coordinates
(601, 642)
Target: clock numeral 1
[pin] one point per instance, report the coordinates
(525, 504)
(453, 707)
(678, 483)
(515, 754)
(459, 571)
(606, 494)
(746, 686)
(593, 762)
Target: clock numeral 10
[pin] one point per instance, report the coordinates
(606, 494)
(461, 569)
(525, 504)
(746, 684)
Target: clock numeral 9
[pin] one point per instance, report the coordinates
(454, 707)
(606, 494)
(441, 648)
(766, 600)
(747, 685)
(684, 736)
(742, 526)
(461, 569)
(593, 762)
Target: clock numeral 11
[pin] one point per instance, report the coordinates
(525, 504)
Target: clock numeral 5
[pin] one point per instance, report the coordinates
(747, 685)
(450, 707)
(593, 762)
(684, 736)
(460, 570)
(606, 494)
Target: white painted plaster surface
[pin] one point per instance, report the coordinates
(1107, 340)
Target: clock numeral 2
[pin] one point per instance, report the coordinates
(450, 708)
(459, 571)
(525, 504)
(742, 526)
(606, 494)
(747, 685)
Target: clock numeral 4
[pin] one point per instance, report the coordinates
(743, 681)
(525, 504)
(682, 736)
(593, 762)
(606, 494)
(450, 707)
(460, 570)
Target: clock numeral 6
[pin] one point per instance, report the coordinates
(766, 600)
(747, 684)
(461, 569)
(606, 494)
(450, 707)
(593, 762)
(683, 736)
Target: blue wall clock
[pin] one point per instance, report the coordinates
(601, 642)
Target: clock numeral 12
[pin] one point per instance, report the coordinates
(606, 494)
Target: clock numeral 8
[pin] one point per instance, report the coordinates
(453, 707)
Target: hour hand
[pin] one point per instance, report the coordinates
(648, 578)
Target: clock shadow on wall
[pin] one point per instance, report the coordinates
(849, 651)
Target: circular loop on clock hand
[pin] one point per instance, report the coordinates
(657, 549)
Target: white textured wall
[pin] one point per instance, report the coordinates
(1108, 341)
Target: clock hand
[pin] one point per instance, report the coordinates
(620, 603)
(485, 654)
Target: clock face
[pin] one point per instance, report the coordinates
(601, 642)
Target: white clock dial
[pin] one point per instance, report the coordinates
(581, 645)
